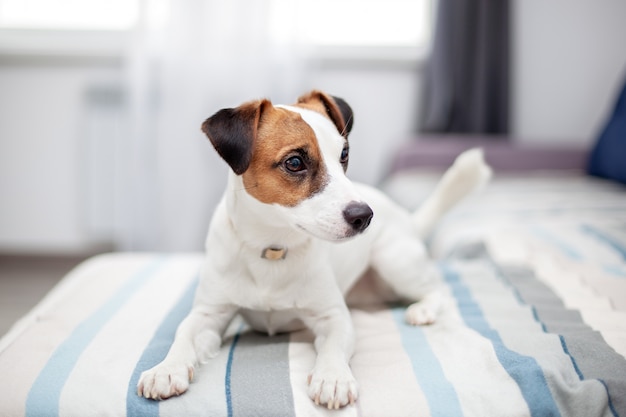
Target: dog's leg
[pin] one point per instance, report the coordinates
(198, 338)
(402, 262)
(331, 382)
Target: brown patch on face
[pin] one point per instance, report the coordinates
(284, 138)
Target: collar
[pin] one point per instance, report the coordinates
(274, 253)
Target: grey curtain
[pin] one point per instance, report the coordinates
(467, 75)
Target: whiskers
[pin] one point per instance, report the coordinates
(250, 188)
(244, 188)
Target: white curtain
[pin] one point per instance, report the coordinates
(188, 59)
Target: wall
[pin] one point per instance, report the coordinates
(44, 174)
(384, 97)
(569, 62)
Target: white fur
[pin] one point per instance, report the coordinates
(308, 287)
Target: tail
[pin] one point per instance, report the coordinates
(468, 173)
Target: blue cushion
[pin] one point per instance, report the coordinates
(608, 157)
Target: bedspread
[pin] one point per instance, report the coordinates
(534, 324)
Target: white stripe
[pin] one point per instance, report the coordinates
(471, 365)
(501, 309)
(582, 286)
(106, 366)
(383, 369)
(301, 360)
(77, 296)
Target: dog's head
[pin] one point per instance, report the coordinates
(294, 158)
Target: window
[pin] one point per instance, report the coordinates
(363, 22)
(355, 29)
(336, 29)
(69, 14)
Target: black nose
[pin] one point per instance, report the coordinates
(358, 215)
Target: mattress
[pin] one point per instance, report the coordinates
(534, 323)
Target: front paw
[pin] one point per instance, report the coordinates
(164, 381)
(425, 311)
(419, 314)
(333, 387)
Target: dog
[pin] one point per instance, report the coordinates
(292, 235)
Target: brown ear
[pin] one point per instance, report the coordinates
(233, 132)
(335, 108)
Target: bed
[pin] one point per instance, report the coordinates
(534, 324)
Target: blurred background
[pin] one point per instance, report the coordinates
(101, 101)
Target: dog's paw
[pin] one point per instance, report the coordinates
(419, 315)
(333, 387)
(426, 310)
(164, 381)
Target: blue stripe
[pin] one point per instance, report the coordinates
(616, 270)
(571, 358)
(524, 370)
(44, 396)
(605, 238)
(440, 394)
(536, 317)
(229, 366)
(608, 394)
(155, 352)
(564, 346)
(548, 237)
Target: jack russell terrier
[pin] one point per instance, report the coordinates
(292, 235)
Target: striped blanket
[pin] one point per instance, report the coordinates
(534, 324)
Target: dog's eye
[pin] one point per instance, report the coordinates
(295, 164)
(345, 153)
